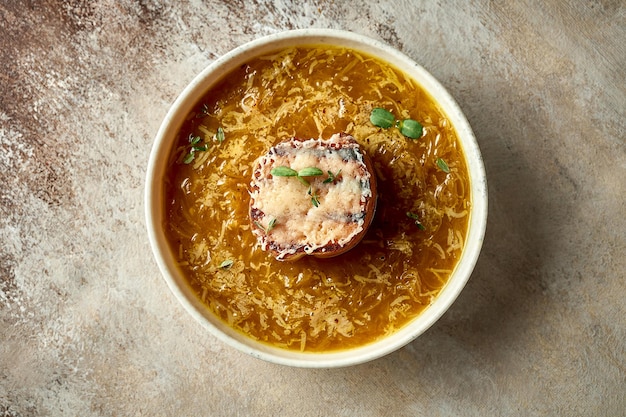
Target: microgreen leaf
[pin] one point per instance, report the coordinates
(382, 118)
(193, 147)
(443, 166)
(283, 171)
(270, 225)
(226, 264)
(220, 136)
(410, 128)
(190, 156)
(315, 199)
(415, 217)
(310, 172)
(332, 177)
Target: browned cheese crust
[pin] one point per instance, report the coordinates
(322, 215)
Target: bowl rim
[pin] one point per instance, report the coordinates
(154, 210)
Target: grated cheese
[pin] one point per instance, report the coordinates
(315, 304)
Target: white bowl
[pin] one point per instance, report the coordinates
(155, 208)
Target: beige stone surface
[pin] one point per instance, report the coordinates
(89, 328)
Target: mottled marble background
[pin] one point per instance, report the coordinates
(89, 328)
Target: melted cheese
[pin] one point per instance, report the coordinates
(298, 223)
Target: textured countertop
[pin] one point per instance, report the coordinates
(88, 327)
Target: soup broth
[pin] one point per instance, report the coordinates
(314, 304)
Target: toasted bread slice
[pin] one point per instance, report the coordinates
(320, 201)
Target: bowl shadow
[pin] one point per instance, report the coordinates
(508, 291)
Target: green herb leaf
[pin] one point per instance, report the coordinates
(415, 217)
(443, 166)
(190, 156)
(193, 147)
(315, 200)
(270, 225)
(382, 118)
(283, 171)
(332, 177)
(410, 128)
(310, 172)
(220, 136)
(226, 264)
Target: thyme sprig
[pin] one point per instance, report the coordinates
(195, 144)
(270, 225)
(315, 198)
(332, 177)
(193, 147)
